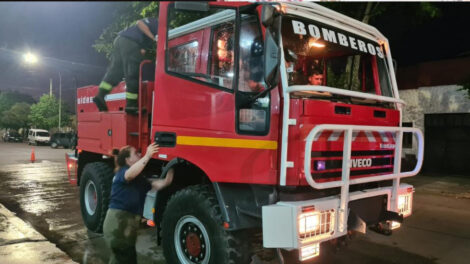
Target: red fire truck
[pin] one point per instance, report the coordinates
(258, 146)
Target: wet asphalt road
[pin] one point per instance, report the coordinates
(39, 193)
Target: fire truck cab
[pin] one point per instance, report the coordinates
(257, 146)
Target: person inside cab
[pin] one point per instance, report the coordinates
(315, 78)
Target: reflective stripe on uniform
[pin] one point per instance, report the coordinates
(132, 96)
(105, 86)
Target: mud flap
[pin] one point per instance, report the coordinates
(355, 223)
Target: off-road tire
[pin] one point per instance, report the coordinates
(100, 174)
(199, 201)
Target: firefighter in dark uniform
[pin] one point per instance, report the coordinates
(128, 51)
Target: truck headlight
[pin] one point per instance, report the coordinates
(315, 225)
(404, 203)
(309, 222)
(309, 251)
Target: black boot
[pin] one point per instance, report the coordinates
(99, 100)
(132, 107)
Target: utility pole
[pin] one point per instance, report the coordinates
(60, 97)
(50, 87)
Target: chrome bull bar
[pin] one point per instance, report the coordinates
(345, 181)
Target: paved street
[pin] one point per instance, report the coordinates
(39, 194)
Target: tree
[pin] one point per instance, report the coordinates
(17, 116)
(8, 99)
(45, 114)
(367, 12)
(465, 86)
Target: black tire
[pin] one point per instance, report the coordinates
(97, 176)
(54, 145)
(199, 202)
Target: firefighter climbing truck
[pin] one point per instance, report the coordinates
(255, 145)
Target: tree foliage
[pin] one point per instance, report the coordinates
(17, 116)
(45, 113)
(7, 101)
(367, 12)
(465, 86)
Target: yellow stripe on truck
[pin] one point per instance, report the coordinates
(226, 142)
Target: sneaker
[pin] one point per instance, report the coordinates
(100, 103)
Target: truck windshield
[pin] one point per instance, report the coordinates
(319, 54)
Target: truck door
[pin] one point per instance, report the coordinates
(197, 80)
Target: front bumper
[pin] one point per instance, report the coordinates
(282, 221)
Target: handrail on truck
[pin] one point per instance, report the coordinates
(140, 100)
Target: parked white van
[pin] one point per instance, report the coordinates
(38, 136)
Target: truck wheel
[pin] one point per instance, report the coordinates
(54, 144)
(95, 192)
(193, 232)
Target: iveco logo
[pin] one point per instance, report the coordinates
(359, 163)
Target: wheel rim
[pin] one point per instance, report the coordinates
(191, 240)
(91, 200)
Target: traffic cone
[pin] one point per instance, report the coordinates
(33, 156)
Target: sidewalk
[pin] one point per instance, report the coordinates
(21, 244)
(457, 187)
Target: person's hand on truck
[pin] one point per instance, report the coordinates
(152, 149)
(162, 183)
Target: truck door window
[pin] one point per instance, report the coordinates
(200, 45)
(182, 58)
(253, 118)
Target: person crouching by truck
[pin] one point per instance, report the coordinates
(128, 193)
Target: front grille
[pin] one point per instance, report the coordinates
(327, 165)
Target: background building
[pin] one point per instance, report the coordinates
(441, 111)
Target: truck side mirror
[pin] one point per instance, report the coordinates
(271, 60)
(267, 15)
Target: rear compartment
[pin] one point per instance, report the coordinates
(100, 132)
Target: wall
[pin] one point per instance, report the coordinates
(429, 100)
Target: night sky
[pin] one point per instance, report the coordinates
(63, 35)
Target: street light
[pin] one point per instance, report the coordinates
(31, 58)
